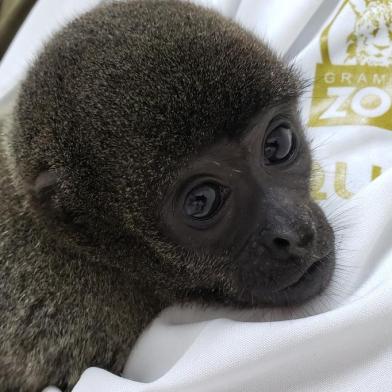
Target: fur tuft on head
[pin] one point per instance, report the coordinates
(125, 94)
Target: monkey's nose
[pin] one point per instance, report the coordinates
(285, 245)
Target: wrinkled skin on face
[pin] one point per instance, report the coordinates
(154, 157)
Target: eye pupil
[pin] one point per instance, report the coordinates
(202, 201)
(270, 151)
(198, 204)
(279, 145)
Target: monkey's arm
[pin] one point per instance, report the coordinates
(56, 314)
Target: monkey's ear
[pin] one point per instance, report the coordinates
(46, 189)
(44, 183)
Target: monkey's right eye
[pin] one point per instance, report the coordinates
(279, 145)
(203, 201)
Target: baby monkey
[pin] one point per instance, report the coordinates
(154, 157)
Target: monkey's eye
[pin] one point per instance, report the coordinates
(203, 201)
(279, 145)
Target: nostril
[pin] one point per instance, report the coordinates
(281, 243)
(306, 239)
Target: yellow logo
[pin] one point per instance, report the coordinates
(353, 84)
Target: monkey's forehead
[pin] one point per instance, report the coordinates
(164, 72)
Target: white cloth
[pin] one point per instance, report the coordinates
(341, 341)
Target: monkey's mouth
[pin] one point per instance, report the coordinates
(307, 275)
(310, 284)
(290, 289)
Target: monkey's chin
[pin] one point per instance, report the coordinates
(312, 283)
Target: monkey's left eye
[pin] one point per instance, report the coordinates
(203, 201)
(279, 145)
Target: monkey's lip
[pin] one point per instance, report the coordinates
(308, 272)
(314, 269)
(295, 291)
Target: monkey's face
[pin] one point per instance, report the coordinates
(243, 213)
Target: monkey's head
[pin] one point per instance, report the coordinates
(166, 139)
